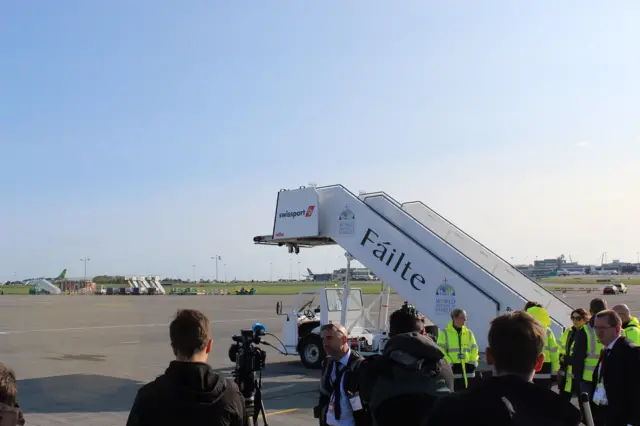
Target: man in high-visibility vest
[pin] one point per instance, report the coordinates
(459, 346)
(630, 324)
(551, 351)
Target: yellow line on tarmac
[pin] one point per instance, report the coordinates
(290, 410)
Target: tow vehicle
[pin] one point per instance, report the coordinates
(618, 288)
(621, 288)
(312, 308)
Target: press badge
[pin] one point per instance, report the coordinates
(356, 403)
(600, 395)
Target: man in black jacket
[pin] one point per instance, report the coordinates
(516, 342)
(617, 375)
(404, 382)
(339, 402)
(189, 392)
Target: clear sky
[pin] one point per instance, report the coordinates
(152, 135)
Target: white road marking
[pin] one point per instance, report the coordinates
(130, 343)
(105, 327)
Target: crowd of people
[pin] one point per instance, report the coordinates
(434, 380)
(419, 379)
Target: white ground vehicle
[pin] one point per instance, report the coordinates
(621, 288)
(426, 259)
(311, 309)
(618, 288)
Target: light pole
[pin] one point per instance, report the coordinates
(216, 257)
(298, 271)
(271, 271)
(225, 272)
(85, 260)
(290, 269)
(194, 273)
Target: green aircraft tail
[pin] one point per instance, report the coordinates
(62, 275)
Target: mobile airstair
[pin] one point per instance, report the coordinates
(417, 256)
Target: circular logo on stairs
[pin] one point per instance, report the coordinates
(445, 298)
(347, 222)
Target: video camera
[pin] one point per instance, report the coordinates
(249, 360)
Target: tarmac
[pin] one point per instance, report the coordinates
(81, 359)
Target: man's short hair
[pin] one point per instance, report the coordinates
(405, 320)
(516, 339)
(597, 305)
(531, 304)
(8, 386)
(190, 332)
(335, 327)
(613, 319)
(622, 309)
(456, 313)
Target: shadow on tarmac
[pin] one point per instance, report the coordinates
(286, 385)
(76, 393)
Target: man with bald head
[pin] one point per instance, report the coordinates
(630, 324)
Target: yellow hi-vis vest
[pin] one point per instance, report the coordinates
(459, 349)
(562, 342)
(593, 353)
(551, 357)
(632, 332)
(568, 352)
(550, 350)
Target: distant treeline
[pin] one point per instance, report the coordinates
(120, 279)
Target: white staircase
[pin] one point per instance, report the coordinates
(417, 263)
(487, 259)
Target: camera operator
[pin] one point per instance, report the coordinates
(340, 402)
(406, 380)
(189, 392)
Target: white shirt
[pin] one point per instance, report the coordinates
(346, 414)
(609, 346)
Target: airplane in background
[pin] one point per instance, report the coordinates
(606, 272)
(60, 277)
(564, 273)
(553, 273)
(309, 277)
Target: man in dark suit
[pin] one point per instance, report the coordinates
(616, 395)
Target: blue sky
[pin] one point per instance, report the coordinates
(151, 135)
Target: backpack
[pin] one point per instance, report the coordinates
(397, 376)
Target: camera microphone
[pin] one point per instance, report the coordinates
(259, 329)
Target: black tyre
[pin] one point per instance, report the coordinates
(311, 351)
(233, 351)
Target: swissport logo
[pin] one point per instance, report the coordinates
(306, 213)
